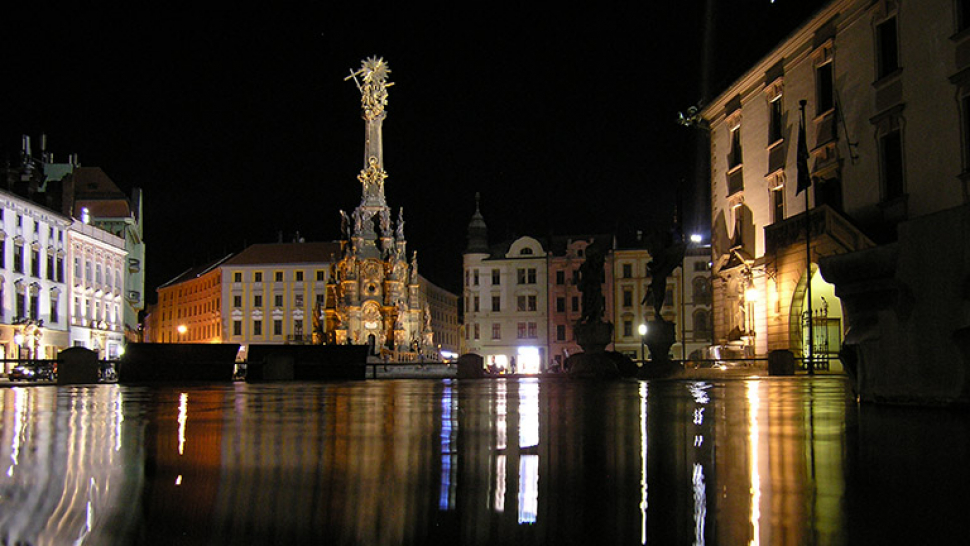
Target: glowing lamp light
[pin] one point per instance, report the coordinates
(751, 294)
(696, 238)
(181, 329)
(642, 329)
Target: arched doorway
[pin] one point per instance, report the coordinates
(826, 322)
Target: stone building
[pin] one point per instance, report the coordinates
(861, 117)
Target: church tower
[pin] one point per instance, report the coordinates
(374, 298)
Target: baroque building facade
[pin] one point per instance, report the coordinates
(97, 286)
(855, 123)
(374, 297)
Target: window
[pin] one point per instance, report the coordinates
(627, 297)
(560, 332)
(478, 331)
(778, 204)
(701, 290)
(475, 277)
(237, 301)
(53, 313)
(477, 302)
(526, 276)
(59, 267)
(18, 258)
(496, 277)
(735, 157)
(532, 303)
(575, 276)
(526, 252)
(299, 276)
(774, 121)
(22, 305)
(237, 327)
(321, 275)
(575, 304)
(298, 301)
(824, 88)
(258, 276)
(257, 301)
(521, 330)
(560, 304)
(520, 303)
(277, 327)
(891, 156)
(277, 276)
(496, 330)
(298, 327)
(34, 263)
(257, 327)
(496, 304)
(702, 324)
(533, 330)
(237, 276)
(278, 300)
(887, 48)
(3, 253)
(963, 14)
(50, 267)
(627, 271)
(627, 328)
(560, 277)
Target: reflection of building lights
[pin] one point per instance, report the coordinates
(528, 488)
(643, 462)
(183, 417)
(753, 408)
(528, 413)
(700, 504)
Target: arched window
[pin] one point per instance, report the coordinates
(702, 324)
(701, 290)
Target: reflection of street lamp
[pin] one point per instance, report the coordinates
(643, 336)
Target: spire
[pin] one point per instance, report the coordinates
(477, 231)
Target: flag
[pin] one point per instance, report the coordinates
(803, 177)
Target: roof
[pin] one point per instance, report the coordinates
(194, 272)
(287, 253)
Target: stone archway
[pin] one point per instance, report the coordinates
(826, 310)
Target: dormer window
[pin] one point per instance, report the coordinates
(525, 252)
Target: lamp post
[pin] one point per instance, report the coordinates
(18, 338)
(181, 329)
(642, 329)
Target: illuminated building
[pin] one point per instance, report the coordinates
(96, 285)
(108, 208)
(443, 306)
(270, 292)
(375, 294)
(189, 308)
(886, 96)
(686, 304)
(566, 256)
(33, 291)
(506, 301)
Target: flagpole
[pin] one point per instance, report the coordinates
(808, 244)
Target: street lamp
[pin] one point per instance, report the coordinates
(181, 329)
(643, 336)
(18, 338)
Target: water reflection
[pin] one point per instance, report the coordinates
(775, 461)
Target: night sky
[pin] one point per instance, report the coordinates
(238, 124)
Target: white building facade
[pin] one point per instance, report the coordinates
(98, 267)
(506, 306)
(33, 292)
(884, 88)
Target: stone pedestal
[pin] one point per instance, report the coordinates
(593, 362)
(661, 336)
(907, 307)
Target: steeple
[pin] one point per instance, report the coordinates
(477, 231)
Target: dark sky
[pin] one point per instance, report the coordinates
(238, 124)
